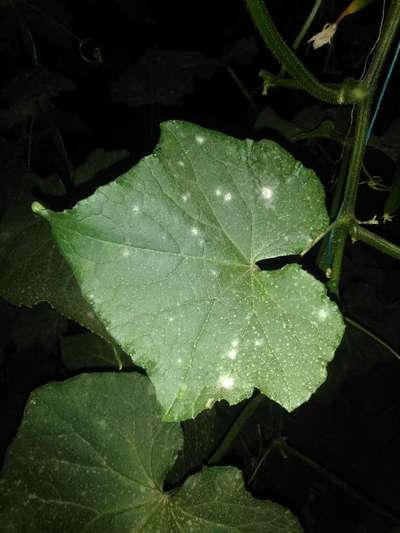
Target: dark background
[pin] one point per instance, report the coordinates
(178, 60)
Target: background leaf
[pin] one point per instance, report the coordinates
(202, 435)
(392, 203)
(162, 77)
(31, 268)
(167, 257)
(86, 350)
(40, 326)
(317, 122)
(91, 456)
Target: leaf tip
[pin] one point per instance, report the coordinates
(39, 209)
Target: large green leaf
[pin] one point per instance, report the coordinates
(167, 257)
(92, 454)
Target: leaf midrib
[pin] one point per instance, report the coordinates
(161, 252)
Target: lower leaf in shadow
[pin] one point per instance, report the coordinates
(92, 454)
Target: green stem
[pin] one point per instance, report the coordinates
(319, 237)
(377, 339)
(65, 168)
(274, 80)
(290, 61)
(267, 452)
(357, 157)
(236, 428)
(242, 88)
(360, 138)
(347, 211)
(338, 482)
(339, 239)
(340, 183)
(307, 24)
(303, 31)
(392, 22)
(324, 259)
(358, 233)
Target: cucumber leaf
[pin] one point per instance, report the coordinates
(92, 454)
(167, 256)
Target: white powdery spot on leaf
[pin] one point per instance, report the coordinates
(126, 252)
(200, 139)
(267, 193)
(209, 403)
(195, 231)
(185, 197)
(135, 209)
(181, 163)
(227, 197)
(102, 424)
(218, 192)
(232, 353)
(322, 314)
(226, 382)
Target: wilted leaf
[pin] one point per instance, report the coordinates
(353, 7)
